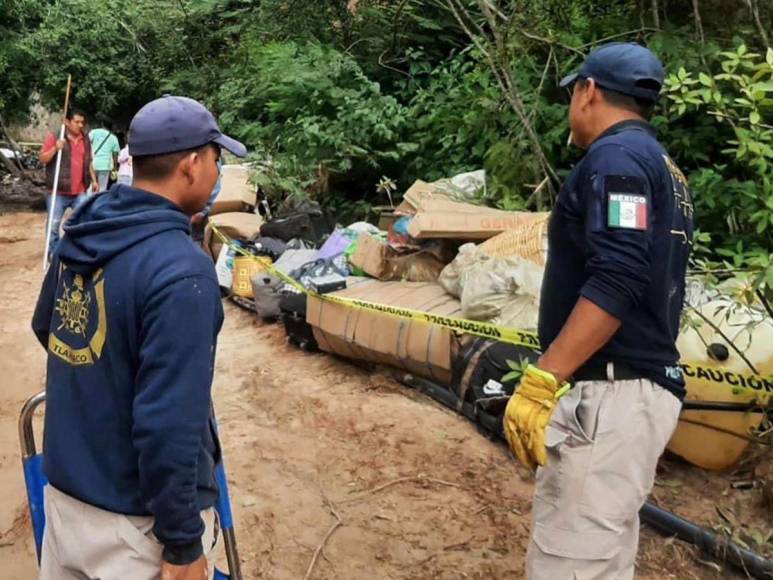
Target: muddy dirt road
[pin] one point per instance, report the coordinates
(310, 441)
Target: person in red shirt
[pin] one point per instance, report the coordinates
(76, 175)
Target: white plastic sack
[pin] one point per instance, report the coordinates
(363, 228)
(504, 291)
(463, 186)
(453, 276)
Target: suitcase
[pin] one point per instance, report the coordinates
(292, 308)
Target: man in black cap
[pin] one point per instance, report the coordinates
(618, 244)
(129, 313)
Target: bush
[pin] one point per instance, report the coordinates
(310, 110)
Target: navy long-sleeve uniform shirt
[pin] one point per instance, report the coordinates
(620, 236)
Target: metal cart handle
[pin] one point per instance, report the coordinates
(33, 475)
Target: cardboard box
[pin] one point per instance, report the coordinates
(237, 226)
(439, 218)
(236, 193)
(378, 260)
(370, 255)
(416, 193)
(380, 338)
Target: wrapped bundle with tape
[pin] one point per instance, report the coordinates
(718, 371)
(528, 240)
(381, 335)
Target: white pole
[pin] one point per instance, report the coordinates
(56, 177)
(53, 200)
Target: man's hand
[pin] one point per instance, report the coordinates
(528, 413)
(197, 218)
(59, 144)
(196, 570)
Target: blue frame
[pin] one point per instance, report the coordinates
(35, 482)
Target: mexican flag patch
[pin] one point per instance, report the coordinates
(627, 211)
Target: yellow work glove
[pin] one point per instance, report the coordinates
(528, 412)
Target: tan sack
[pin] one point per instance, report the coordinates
(504, 291)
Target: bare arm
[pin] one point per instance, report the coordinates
(587, 329)
(46, 155)
(94, 182)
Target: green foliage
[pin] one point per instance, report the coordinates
(337, 96)
(310, 108)
(96, 42)
(456, 110)
(516, 370)
(732, 100)
(18, 68)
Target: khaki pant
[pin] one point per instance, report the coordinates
(603, 441)
(83, 542)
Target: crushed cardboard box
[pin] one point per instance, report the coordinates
(416, 193)
(438, 218)
(236, 226)
(436, 215)
(236, 193)
(370, 256)
(380, 338)
(379, 260)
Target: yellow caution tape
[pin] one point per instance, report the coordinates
(739, 383)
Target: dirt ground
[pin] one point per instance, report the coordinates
(311, 441)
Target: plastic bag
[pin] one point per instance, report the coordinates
(335, 245)
(362, 228)
(453, 276)
(504, 291)
(317, 268)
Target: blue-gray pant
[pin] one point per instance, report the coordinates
(62, 203)
(103, 177)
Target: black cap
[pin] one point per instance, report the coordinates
(171, 124)
(624, 67)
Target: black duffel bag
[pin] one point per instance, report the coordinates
(478, 373)
(307, 221)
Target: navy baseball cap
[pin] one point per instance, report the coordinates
(171, 124)
(624, 67)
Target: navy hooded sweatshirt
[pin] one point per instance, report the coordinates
(129, 313)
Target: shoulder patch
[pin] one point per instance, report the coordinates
(627, 203)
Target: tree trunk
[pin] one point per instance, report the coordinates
(655, 13)
(758, 21)
(698, 23)
(502, 75)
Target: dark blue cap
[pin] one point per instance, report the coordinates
(624, 67)
(171, 124)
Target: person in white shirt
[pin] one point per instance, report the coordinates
(125, 166)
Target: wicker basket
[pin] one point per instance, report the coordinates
(529, 241)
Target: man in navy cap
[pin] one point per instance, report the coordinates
(600, 405)
(129, 313)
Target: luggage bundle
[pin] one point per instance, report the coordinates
(426, 294)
